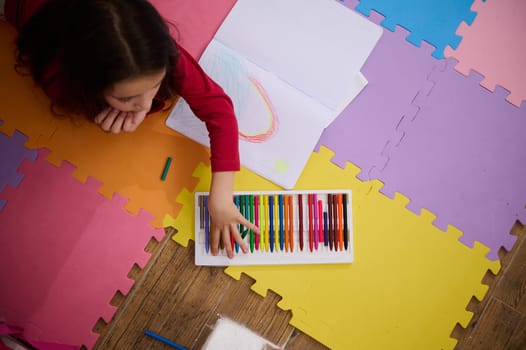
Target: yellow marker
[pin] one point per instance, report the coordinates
(261, 223)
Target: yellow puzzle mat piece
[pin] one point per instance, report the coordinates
(407, 288)
(130, 164)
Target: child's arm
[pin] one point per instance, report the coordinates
(209, 103)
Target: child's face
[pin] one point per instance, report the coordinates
(135, 94)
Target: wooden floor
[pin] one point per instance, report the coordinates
(499, 321)
(181, 301)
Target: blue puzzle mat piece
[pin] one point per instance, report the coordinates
(435, 21)
(12, 154)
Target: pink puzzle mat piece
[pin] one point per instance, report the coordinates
(195, 21)
(64, 252)
(464, 159)
(494, 46)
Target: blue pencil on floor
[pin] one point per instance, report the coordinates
(164, 340)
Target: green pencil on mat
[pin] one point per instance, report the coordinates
(166, 167)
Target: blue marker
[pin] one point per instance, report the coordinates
(325, 230)
(164, 340)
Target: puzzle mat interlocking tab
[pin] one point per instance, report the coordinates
(408, 287)
(129, 164)
(463, 158)
(397, 72)
(12, 153)
(494, 46)
(64, 251)
(434, 21)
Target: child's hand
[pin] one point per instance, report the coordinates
(225, 215)
(115, 121)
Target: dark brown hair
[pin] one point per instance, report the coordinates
(95, 43)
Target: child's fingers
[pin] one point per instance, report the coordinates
(100, 117)
(225, 232)
(237, 237)
(116, 127)
(133, 121)
(129, 125)
(214, 241)
(108, 120)
(243, 221)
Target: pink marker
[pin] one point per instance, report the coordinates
(316, 225)
(256, 219)
(320, 220)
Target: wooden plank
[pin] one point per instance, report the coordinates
(512, 286)
(494, 329)
(518, 339)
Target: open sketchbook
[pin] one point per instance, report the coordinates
(290, 67)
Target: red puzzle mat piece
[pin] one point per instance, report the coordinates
(64, 252)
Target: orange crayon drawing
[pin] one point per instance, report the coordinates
(273, 118)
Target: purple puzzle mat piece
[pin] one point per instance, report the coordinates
(464, 159)
(12, 153)
(397, 71)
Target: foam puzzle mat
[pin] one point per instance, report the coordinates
(362, 131)
(409, 284)
(444, 139)
(451, 163)
(498, 29)
(463, 186)
(64, 252)
(433, 21)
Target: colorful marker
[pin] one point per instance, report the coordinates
(236, 202)
(300, 226)
(291, 224)
(271, 222)
(345, 224)
(166, 167)
(207, 226)
(281, 233)
(256, 220)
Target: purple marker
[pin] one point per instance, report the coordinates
(207, 226)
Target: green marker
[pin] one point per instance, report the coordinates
(251, 219)
(166, 167)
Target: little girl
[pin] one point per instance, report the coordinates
(114, 61)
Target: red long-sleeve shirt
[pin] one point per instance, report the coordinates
(206, 98)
